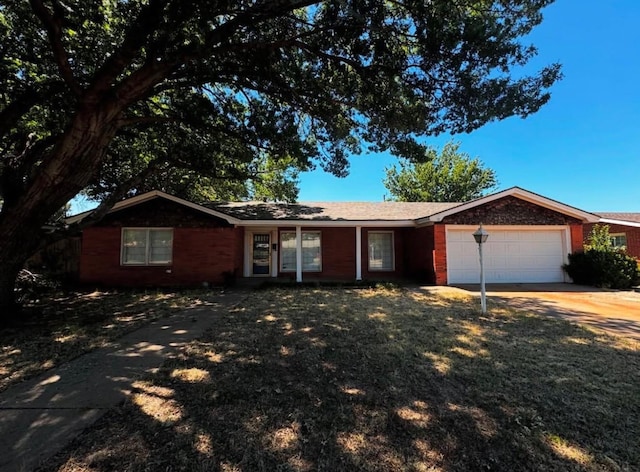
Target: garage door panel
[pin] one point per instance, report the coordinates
(510, 256)
(493, 261)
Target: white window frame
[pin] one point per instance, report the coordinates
(617, 235)
(147, 246)
(319, 233)
(393, 252)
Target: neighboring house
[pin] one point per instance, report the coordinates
(624, 229)
(155, 239)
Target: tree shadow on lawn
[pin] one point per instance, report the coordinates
(378, 380)
(64, 326)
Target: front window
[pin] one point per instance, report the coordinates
(619, 241)
(381, 251)
(147, 246)
(311, 251)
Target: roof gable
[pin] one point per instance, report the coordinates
(343, 213)
(519, 193)
(148, 196)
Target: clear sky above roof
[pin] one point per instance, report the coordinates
(582, 148)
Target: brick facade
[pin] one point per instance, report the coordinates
(209, 249)
(338, 248)
(419, 254)
(504, 211)
(510, 211)
(576, 237)
(631, 232)
(338, 253)
(161, 213)
(440, 254)
(205, 248)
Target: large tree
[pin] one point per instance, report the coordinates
(215, 85)
(450, 176)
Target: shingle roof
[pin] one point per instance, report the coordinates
(331, 211)
(633, 217)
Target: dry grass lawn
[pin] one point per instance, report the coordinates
(61, 327)
(377, 380)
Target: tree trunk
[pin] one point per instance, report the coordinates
(66, 170)
(8, 274)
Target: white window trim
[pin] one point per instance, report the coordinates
(319, 233)
(617, 235)
(147, 229)
(393, 252)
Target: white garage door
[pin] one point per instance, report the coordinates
(526, 256)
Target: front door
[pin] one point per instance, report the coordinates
(261, 254)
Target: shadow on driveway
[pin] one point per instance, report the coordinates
(614, 311)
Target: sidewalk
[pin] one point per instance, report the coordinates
(40, 416)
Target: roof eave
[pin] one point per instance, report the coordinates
(611, 221)
(521, 194)
(144, 197)
(340, 223)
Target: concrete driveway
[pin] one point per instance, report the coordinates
(615, 311)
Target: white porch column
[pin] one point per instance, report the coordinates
(275, 255)
(358, 253)
(298, 254)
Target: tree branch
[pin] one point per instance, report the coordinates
(23, 103)
(331, 57)
(146, 23)
(53, 25)
(144, 120)
(103, 208)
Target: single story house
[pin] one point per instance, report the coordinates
(624, 229)
(155, 239)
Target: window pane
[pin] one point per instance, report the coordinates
(311, 259)
(619, 241)
(288, 251)
(134, 246)
(311, 255)
(380, 251)
(160, 246)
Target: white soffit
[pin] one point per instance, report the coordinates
(610, 221)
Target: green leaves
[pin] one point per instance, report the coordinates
(218, 89)
(451, 176)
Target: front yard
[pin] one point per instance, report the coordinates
(377, 380)
(59, 327)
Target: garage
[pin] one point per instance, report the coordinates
(511, 255)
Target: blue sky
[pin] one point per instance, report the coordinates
(582, 148)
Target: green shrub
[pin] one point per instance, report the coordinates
(603, 268)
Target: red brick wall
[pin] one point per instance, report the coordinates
(576, 238)
(440, 254)
(419, 254)
(199, 255)
(338, 251)
(632, 233)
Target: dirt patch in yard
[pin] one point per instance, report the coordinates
(377, 380)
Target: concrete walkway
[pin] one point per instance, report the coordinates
(40, 416)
